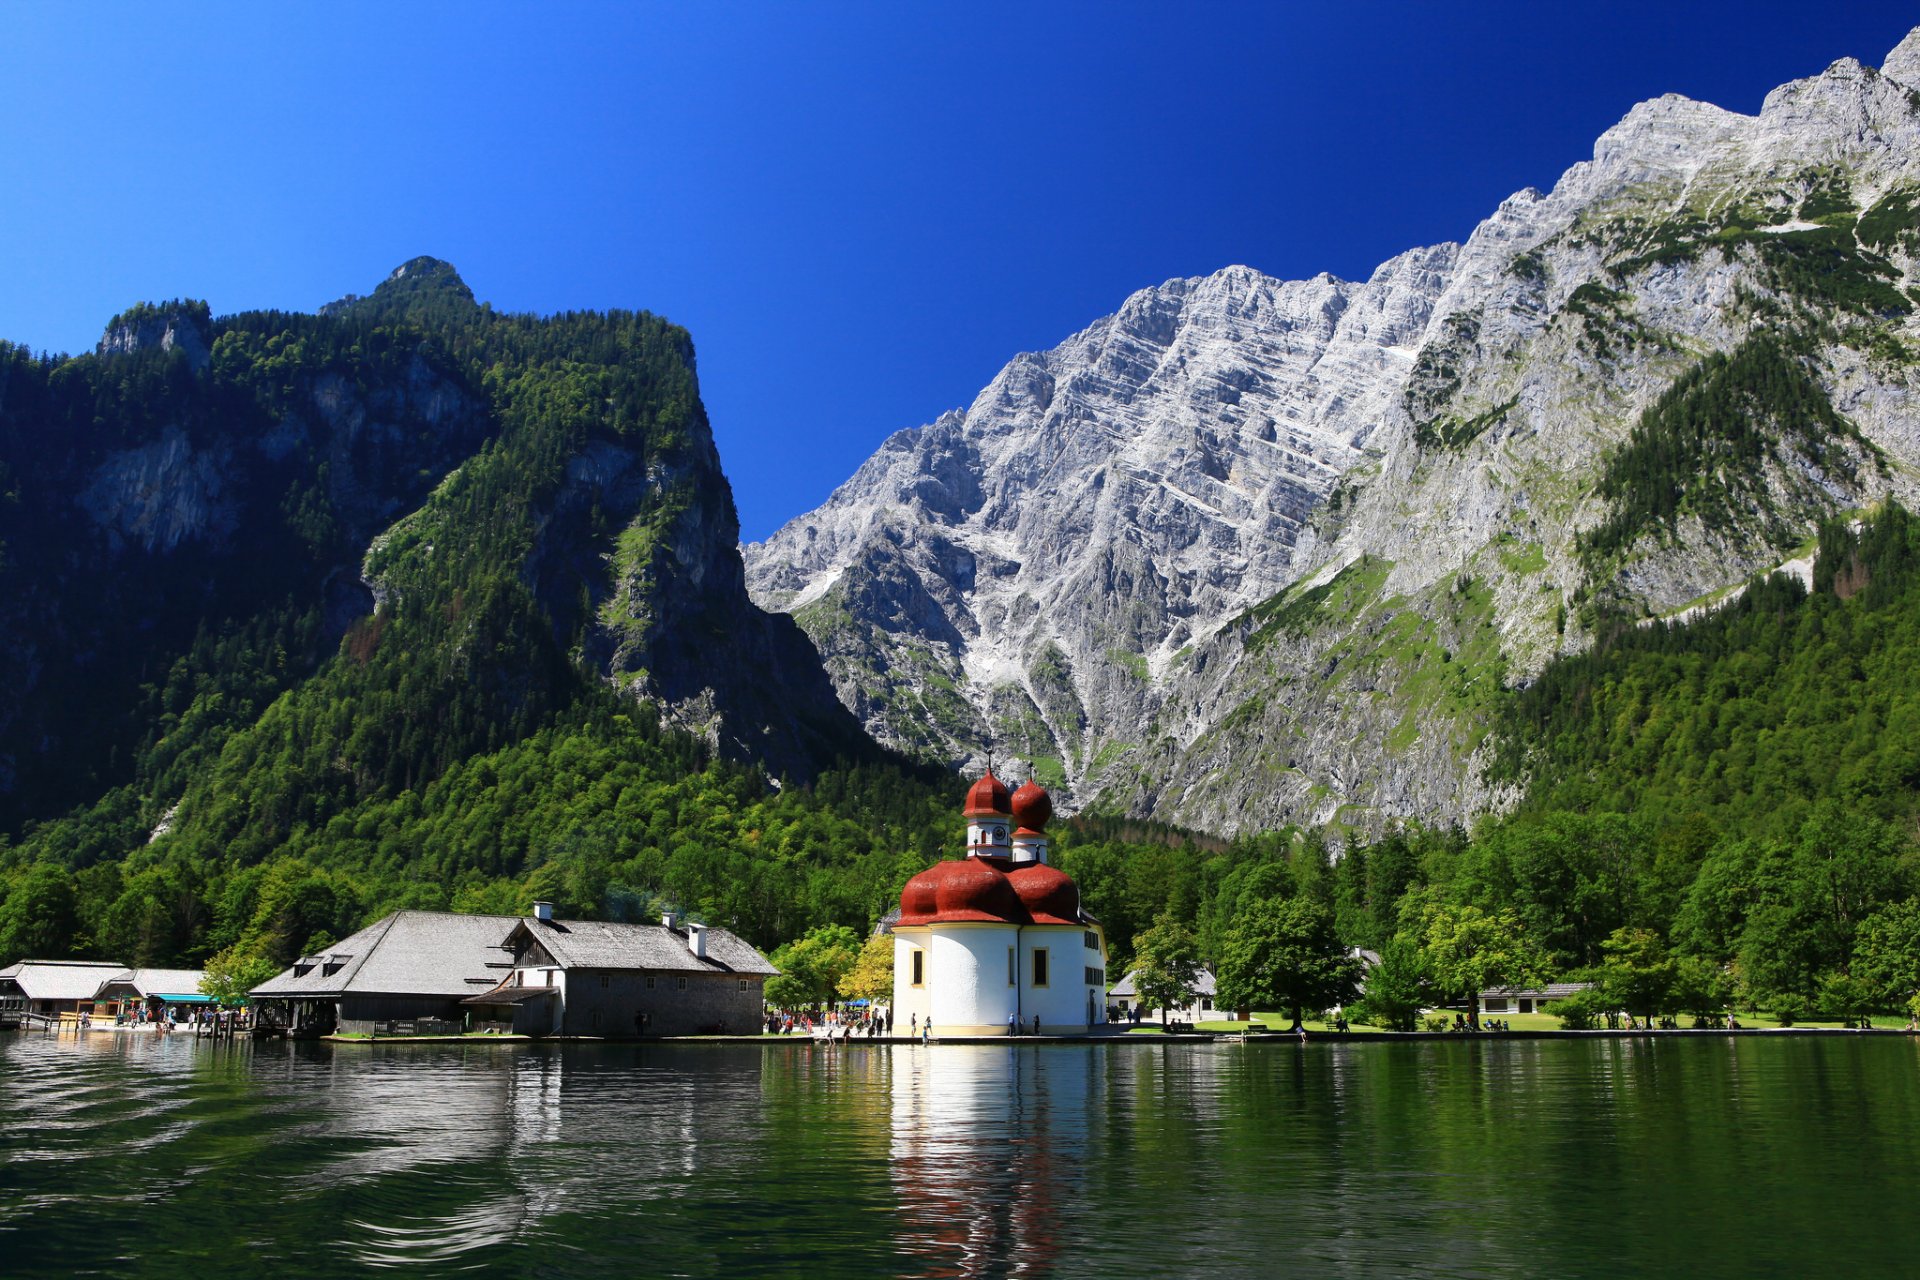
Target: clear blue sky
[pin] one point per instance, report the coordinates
(860, 211)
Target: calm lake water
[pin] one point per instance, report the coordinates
(123, 1154)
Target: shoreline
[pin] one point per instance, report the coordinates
(1180, 1038)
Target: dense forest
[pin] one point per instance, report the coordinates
(231, 728)
(428, 591)
(1734, 797)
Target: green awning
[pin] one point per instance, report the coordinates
(194, 998)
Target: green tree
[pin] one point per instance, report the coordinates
(1469, 950)
(1396, 988)
(812, 966)
(1284, 954)
(1701, 987)
(38, 921)
(230, 974)
(1166, 965)
(1886, 954)
(1637, 974)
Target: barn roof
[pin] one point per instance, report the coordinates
(593, 944)
(407, 953)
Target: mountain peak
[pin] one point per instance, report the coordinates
(1902, 62)
(418, 284)
(424, 275)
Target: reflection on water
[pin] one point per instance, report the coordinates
(987, 1149)
(130, 1154)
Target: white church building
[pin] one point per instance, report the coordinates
(997, 938)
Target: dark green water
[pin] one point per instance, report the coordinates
(126, 1155)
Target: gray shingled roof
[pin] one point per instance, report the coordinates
(62, 979)
(591, 944)
(407, 953)
(1202, 986)
(157, 982)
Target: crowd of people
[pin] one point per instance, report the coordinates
(209, 1019)
(869, 1022)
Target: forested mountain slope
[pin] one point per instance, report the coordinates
(388, 604)
(1253, 552)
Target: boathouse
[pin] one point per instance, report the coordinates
(53, 987)
(406, 967)
(154, 989)
(593, 978)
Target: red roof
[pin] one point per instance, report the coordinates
(1032, 806)
(987, 796)
(1049, 894)
(965, 889)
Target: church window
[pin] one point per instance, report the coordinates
(919, 967)
(1013, 970)
(1039, 966)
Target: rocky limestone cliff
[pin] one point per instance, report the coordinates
(1253, 551)
(185, 327)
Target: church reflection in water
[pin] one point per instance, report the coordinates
(988, 1145)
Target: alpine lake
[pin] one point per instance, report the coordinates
(134, 1154)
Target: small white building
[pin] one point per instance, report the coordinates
(1125, 997)
(997, 939)
(1504, 1000)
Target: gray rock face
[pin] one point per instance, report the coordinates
(160, 494)
(1253, 551)
(182, 327)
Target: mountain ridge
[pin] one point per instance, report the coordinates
(1459, 410)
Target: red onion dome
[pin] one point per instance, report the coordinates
(1032, 806)
(1049, 894)
(917, 900)
(966, 889)
(987, 796)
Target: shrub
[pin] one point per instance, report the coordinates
(1788, 1009)
(1580, 1011)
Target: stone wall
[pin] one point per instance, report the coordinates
(604, 1002)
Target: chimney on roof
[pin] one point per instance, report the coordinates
(543, 911)
(670, 920)
(697, 939)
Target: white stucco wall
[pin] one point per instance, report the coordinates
(969, 976)
(911, 1004)
(966, 987)
(1063, 1001)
